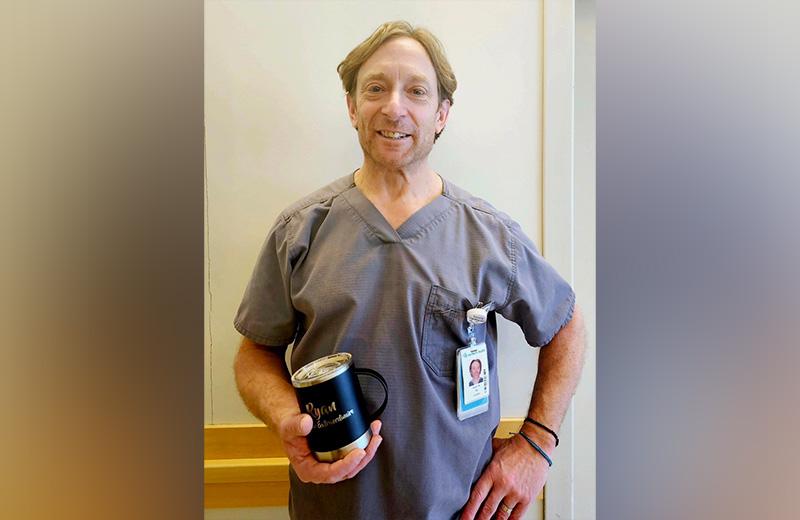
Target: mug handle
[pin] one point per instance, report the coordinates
(382, 381)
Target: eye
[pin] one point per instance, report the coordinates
(373, 88)
(418, 91)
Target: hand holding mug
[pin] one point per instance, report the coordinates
(293, 430)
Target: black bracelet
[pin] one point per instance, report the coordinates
(548, 430)
(537, 448)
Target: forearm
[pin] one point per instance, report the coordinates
(264, 383)
(559, 369)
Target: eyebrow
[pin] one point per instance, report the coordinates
(415, 78)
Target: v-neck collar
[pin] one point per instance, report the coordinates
(414, 225)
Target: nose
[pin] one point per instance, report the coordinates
(394, 107)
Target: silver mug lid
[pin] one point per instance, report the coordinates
(321, 370)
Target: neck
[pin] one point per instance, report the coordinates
(401, 184)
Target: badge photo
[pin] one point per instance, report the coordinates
(472, 381)
(475, 376)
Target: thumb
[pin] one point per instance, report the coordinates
(298, 425)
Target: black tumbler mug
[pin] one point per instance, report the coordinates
(328, 390)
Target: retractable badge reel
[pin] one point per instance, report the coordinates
(472, 373)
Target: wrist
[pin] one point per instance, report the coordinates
(540, 454)
(540, 437)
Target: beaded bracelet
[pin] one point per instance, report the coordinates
(548, 430)
(537, 448)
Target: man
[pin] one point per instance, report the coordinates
(384, 263)
(475, 372)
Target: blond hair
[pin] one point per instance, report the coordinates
(446, 80)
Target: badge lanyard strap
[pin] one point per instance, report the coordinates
(477, 316)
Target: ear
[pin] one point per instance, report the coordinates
(441, 115)
(351, 110)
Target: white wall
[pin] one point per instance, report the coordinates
(277, 128)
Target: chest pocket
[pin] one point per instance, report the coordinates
(444, 330)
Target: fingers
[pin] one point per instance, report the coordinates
(339, 470)
(490, 506)
(298, 425)
(372, 447)
(504, 510)
(519, 510)
(502, 506)
(305, 424)
(293, 430)
(309, 469)
(479, 492)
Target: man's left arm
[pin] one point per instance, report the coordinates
(517, 472)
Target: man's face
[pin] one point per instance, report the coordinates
(475, 370)
(395, 107)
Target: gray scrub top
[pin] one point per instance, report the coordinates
(334, 276)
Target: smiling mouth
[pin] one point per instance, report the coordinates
(393, 135)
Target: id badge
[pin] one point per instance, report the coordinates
(472, 381)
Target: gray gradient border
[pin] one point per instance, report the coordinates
(102, 374)
(697, 254)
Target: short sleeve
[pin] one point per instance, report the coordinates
(540, 301)
(266, 314)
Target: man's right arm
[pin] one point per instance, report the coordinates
(266, 389)
(264, 383)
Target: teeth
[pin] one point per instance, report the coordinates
(393, 135)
